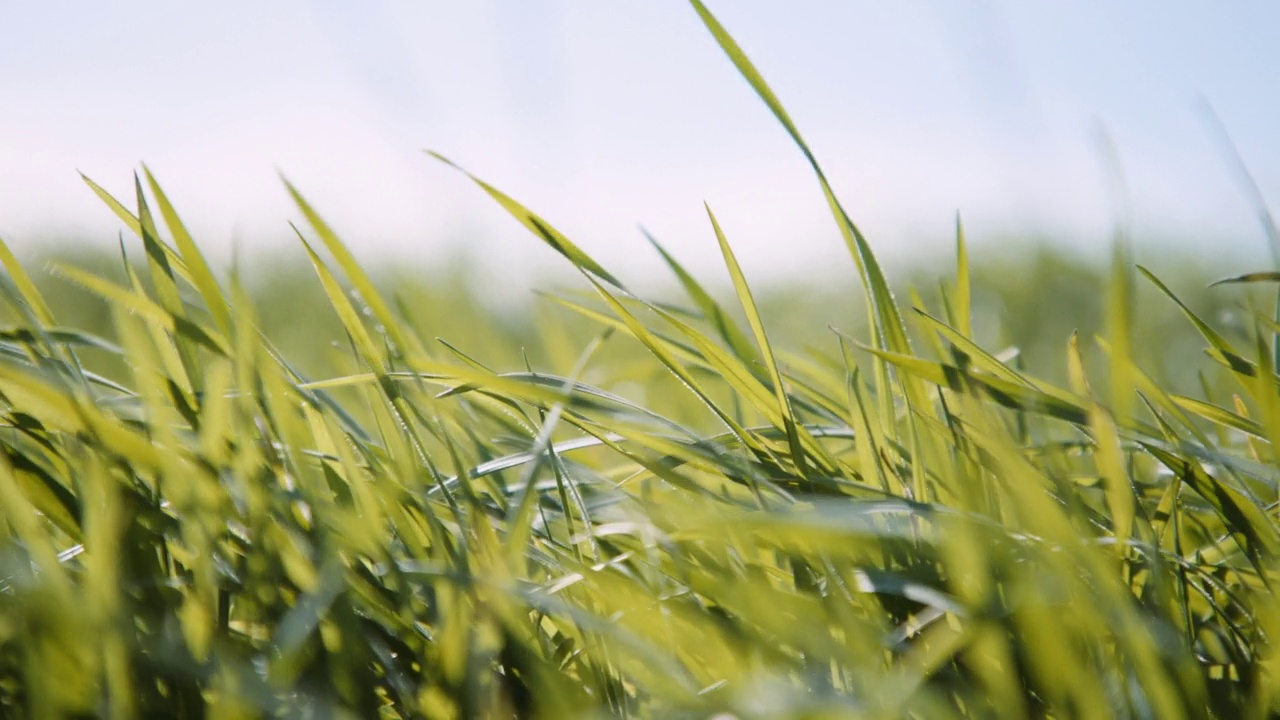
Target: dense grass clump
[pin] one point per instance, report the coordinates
(905, 525)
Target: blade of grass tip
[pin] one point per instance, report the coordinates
(746, 386)
(464, 357)
(1014, 396)
(719, 319)
(884, 317)
(536, 225)
(1248, 524)
(205, 282)
(678, 349)
(244, 345)
(396, 403)
(932, 341)
(164, 281)
(656, 346)
(762, 340)
(963, 298)
(1254, 277)
(1157, 398)
(1219, 416)
(166, 340)
(1256, 449)
(1250, 187)
(567, 487)
(1220, 345)
(977, 358)
(131, 221)
(162, 278)
(25, 297)
(1247, 182)
(946, 300)
(551, 460)
(866, 435)
(346, 311)
(355, 273)
(369, 351)
(26, 288)
(139, 304)
(520, 517)
(315, 393)
(891, 333)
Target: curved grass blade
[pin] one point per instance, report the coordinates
(711, 310)
(46, 495)
(1247, 523)
(748, 386)
(886, 319)
(143, 306)
(1219, 344)
(1220, 416)
(1254, 277)
(26, 288)
(762, 341)
(161, 272)
(537, 225)
(963, 296)
(135, 226)
(1010, 395)
(360, 280)
(347, 313)
(201, 275)
(973, 353)
(654, 344)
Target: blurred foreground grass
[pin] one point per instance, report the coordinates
(292, 501)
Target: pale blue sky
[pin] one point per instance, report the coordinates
(602, 115)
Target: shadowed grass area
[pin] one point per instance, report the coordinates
(614, 506)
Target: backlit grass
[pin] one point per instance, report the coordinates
(666, 515)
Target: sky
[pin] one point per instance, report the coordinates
(604, 116)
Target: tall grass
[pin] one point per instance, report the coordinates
(905, 525)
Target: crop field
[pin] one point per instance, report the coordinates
(1033, 489)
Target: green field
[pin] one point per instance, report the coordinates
(1035, 488)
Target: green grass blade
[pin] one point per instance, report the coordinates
(202, 276)
(347, 312)
(132, 222)
(963, 297)
(719, 319)
(360, 280)
(537, 226)
(140, 304)
(1217, 341)
(891, 332)
(762, 340)
(26, 288)
(161, 272)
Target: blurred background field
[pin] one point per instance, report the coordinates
(1029, 297)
